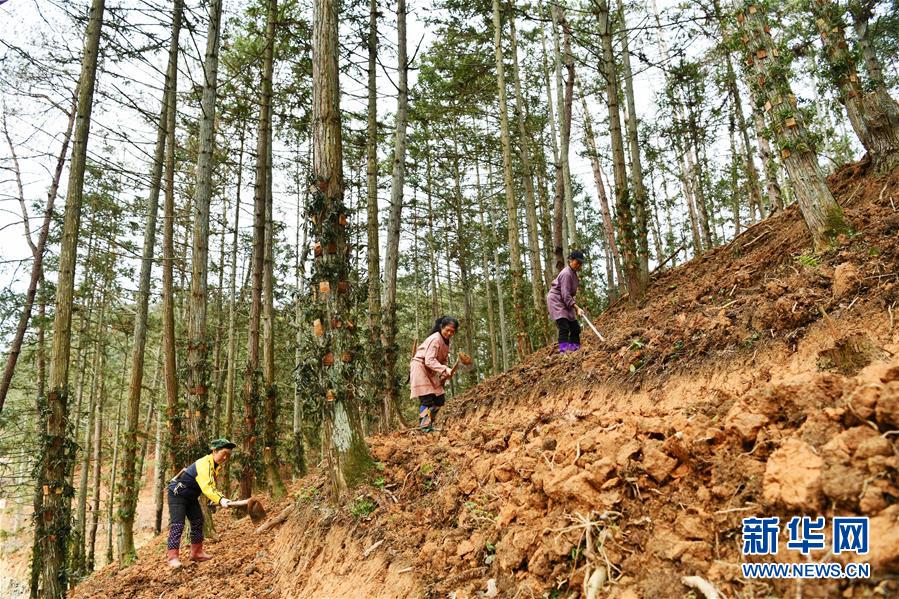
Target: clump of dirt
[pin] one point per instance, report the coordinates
(757, 380)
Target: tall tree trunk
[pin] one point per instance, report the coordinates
(734, 179)
(219, 327)
(95, 503)
(623, 206)
(270, 430)
(488, 279)
(695, 144)
(862, 11)
(874, 115)
(111, 491)
(462, 248)
(563, 59)
(775, 197)
(250, 459)
(40, 411)
(159, 470)
(641, 217)
(299, 445)
(230, 379)
(822, 214)
(523, 342)
(197, 343)
(174, 441)
(559, 240)
(607, 222)
(390, 415)
(60, 446)
(432, 240)
(129, 492)
(752, 175)
(377, 380)
(37, 252)
(342, 439)
(538, 292)
(99, 361)
(687, 158)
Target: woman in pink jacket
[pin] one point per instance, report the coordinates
(429, 371)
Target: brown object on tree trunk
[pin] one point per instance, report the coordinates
(874, 115)
(823, 216)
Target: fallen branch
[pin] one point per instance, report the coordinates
(371, 549)
(746, 245)
(702, 585)
(667, 260)
(279, 519)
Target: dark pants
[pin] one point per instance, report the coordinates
(569, 331)
(430, 405)
(431, 401)
(179, 508)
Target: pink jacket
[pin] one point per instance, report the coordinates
(427, 365)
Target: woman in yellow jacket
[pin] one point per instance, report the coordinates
(184, 500)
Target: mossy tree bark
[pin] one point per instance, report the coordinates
(197, 344)
(768, 78)
(60, 447)
(348, 458)
(874, 115)
(641, 215)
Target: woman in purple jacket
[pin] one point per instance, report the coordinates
(561, 304)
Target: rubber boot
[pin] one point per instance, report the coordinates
(574, 346)
(424, 419)
(197, 554)
(173, 559)
(434, 411)
(563, 346)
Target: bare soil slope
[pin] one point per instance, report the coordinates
(759, 380)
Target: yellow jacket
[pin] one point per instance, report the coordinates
(200, 477)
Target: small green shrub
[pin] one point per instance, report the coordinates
(362, 507)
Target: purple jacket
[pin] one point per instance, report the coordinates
(560, 299)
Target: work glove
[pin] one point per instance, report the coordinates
(225, 502)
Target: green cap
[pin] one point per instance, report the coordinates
(222, 444)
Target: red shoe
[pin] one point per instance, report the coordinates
(173, 560)
(197, 554)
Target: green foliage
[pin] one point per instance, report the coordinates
(808, 260)
(362, 507)
(308, 494)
